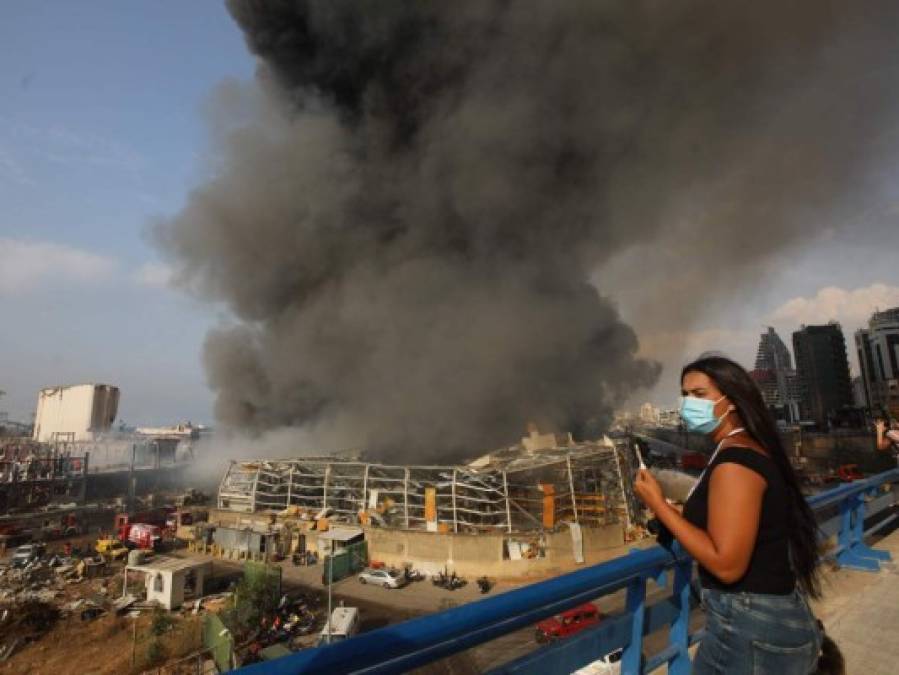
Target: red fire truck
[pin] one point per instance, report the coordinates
(140, 535)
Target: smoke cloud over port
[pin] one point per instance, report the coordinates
(410, 201)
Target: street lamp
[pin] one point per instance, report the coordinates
(330, 560)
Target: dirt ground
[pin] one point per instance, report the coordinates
(101, 647)
(117, 645)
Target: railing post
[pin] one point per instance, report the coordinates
(632, 656)
(854, 553)
(679, 634)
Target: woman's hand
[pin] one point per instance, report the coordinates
(648, 489)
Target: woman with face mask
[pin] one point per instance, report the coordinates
(749, 528)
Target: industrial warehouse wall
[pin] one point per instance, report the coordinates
(113, 484)
(474, 555)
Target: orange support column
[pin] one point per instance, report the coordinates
(549, 505)
(431, 504)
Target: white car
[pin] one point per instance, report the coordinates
(385, 578)
(26, 554)
(610, 664)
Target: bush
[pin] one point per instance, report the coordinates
(256, 598)
(161, 622)
(156, 652)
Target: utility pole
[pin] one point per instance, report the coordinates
(330, 560)
(133, 639)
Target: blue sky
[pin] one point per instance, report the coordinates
(101, 131)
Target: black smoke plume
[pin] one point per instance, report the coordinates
(413, 196)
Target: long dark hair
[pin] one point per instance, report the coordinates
(735, 383)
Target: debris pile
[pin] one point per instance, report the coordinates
(24, 623)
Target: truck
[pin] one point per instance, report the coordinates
(111, 549)
(181, 517)
(344, 623)
(66, 525)
(151, 517)
(140, 535)
(13, 534)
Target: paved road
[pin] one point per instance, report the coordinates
(521, 642)
(383, 607)
(860, 611)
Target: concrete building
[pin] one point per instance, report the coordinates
(75, 413)
(859, 396)
(776, 378)
(877, 347)
(171, 581)
(772, 352)
(823, 369)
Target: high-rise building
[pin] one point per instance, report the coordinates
(776, 378)
(858, 392)
(773, 353)
(823, 370)
(878, 358)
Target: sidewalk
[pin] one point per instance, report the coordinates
(860, 611)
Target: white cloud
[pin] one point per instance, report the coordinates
(28, 265)
(852, 308)
(154, 275)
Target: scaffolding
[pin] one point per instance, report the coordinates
(33, 476)
(515, 490)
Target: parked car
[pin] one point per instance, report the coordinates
(111, 549)
(610, 664)
(26, 553)
(382, 577)
(567, 623)
(849, 472)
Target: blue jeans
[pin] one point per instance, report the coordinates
(757, 634)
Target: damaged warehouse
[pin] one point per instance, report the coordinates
(518, 501)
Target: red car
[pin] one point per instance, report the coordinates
(694, 460)
(567, 623)
(849, 472)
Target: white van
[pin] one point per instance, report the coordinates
(344, 623)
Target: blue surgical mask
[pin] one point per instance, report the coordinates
(698, 414)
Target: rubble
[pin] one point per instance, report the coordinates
(25, 622)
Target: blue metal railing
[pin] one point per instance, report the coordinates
(401, 647)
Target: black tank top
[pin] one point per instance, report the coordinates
(769, 568)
